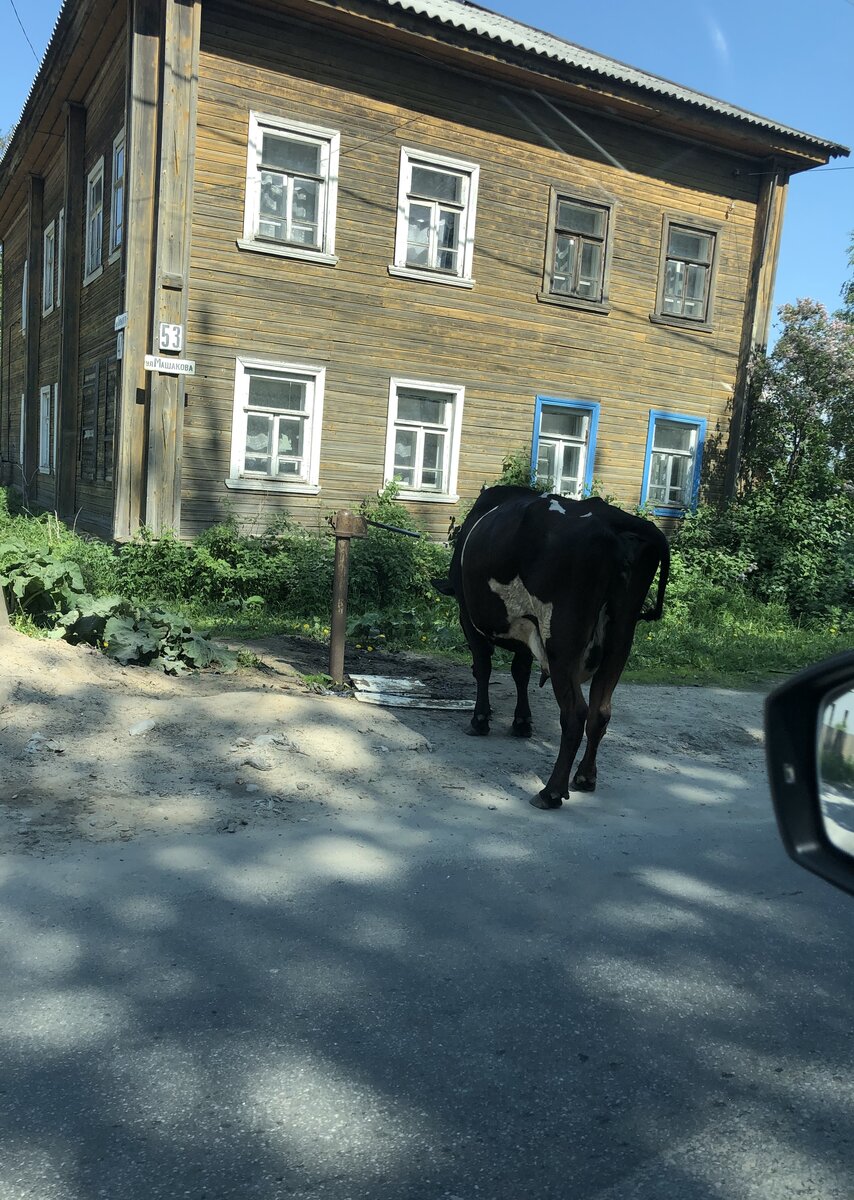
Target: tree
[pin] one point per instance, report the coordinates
(800, 429)
(846, 312)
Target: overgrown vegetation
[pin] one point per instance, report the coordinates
(759, 586)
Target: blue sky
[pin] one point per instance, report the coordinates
(790, 61)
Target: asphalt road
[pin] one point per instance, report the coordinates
(458, 998)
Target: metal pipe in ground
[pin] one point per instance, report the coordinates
(346, 525)
(338, 627)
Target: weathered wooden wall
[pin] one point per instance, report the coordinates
(496, 339)
(100, 304)
(14, 366)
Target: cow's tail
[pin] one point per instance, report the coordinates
(443, 586)
(654, 614)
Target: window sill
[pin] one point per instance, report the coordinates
(681, 323)
(430, 277)
(676, 511)
(428, 497)
(596, 306)
(47, 311)
(315, 256)
(115, 256)
(96, 274)
(271, 485)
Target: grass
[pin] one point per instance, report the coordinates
(711, 635)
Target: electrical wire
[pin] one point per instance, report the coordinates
(24, 32)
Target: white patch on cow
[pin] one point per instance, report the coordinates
(556, 506)
(529, 620)
(583, 515)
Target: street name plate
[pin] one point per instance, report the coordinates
(170, 366)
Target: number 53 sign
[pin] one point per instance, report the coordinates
(171, 337)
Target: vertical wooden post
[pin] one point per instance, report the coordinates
(143, 90)
(72, 273)
(757, 310)
(179, 94)
(347, 525)
(35, 223)
(338, 627)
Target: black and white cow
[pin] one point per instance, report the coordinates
(562, 581)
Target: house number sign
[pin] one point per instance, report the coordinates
(171, 337)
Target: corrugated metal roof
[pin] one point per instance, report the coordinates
(59, 16)
(481, 21)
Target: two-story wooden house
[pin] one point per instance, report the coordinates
(390, 239)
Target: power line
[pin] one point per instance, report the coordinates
(26, 35)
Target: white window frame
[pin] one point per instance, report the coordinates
(693, 456)
(309, 482)
(23, 427)
(60, 254)
(451, 462)
(117, 199)
(49, 269)
(92, 270)
(55, 428)
(25, 295)
(45, 396)
(330, 142)
(410, 158)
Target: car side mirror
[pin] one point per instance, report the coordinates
(809, 744)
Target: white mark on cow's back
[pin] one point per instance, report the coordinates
(557, 507)
(521, 607)
(583, 515)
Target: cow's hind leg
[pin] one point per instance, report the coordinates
(601, 690)
(521, 672)
(481, 668)
(573, 712)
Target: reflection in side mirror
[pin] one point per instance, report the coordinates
(809, 746)
(836, 769)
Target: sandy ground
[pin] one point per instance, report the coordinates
(95, 751)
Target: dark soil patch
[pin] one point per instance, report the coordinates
(305, 656)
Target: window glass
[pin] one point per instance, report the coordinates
(422, 438)
(290, 156)
(562, 448)
(685, 243)
(578, 256)
(673, 435)
(436, 218)
(437, 185)
(291, 188)
(581, 218)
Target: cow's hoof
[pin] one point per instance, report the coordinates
(545, 801)
(582, 784)
(479, 727)
(521, 729)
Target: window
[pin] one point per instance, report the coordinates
(60, 254)
(436, 203)
(117, 202)
(564, 444)
(275, 440)
(23, 428)
(94, 222)
(686, 281)
(25, 295)
(423, 439)
(48, 269)
(577, 252)
(671, 476)
(44, 430)
(291, 189)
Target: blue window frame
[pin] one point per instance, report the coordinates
(564, 444)
(671, 469)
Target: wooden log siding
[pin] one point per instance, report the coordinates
(100, 301)
(496, 339)
(44, 486)
(13, 381)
